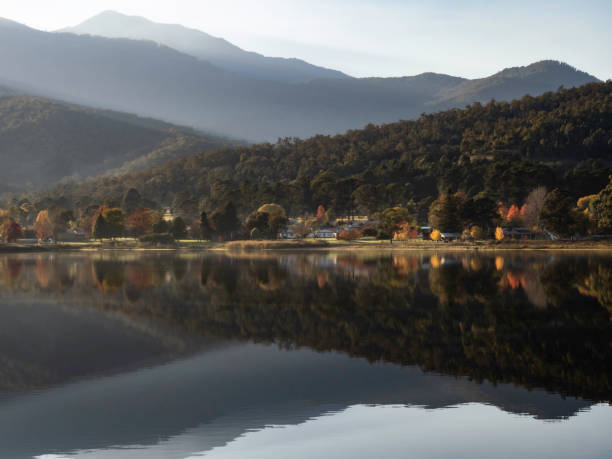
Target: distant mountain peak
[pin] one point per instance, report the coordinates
(10, 23)
(203, 46)
(543, 66)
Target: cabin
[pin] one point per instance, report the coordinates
(450, 236)
(519, 233)
(325, 234)
(287, 234)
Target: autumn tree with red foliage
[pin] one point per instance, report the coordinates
(12, 231)
(140, 222)
(321, 216)
(349, 235)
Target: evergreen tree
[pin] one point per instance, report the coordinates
(179, 229)
(100, 230)
(205, 229)
(131, 201)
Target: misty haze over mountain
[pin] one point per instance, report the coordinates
(155, 80)
(196, 43)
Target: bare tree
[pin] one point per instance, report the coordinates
(533, 207)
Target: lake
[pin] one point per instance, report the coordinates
(300, 355)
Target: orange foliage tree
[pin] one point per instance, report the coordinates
(43, 226)
(349, 235)
(405, 231)
(140, 222)
(499, 233)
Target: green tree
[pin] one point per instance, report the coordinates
(100, 229)
(558, 213)
(131, 201)
(224, 221)
(445, 213)
(114, 222)
(600, 208)
(389, 220)
(205, 229)
(179, 229)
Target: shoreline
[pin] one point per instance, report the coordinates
(317, 245)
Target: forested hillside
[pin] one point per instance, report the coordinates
(501, 150)
(43, 142)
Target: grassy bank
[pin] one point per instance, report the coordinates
(313, 244)
(250, 246)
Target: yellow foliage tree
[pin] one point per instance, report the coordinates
(435, 235)
(499, 233)
(43, 226)
(477, 232)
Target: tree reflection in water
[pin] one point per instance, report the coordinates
(535, 319)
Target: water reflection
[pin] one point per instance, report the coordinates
(190, 343)
(539, 320)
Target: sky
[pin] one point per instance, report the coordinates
(468, 38)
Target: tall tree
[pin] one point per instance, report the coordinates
(533, 207)
(558, 214)
(179, 229)
(100, 230)
(224, 221)
(205, 229)
(131, 201)
(445, 213)
(12, 231)
(43, 226)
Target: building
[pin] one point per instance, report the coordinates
(325, 234)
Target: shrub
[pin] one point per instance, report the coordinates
(369, 231)
(349, 235)
(157, 238)
(435, 235)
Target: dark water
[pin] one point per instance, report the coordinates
(153, 355)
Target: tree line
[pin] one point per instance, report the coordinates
(498, 152)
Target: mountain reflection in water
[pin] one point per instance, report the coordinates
(140, 349)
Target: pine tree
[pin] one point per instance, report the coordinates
(100, 230)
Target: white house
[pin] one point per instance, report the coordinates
(325, 234)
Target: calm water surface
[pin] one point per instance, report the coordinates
(301, 355)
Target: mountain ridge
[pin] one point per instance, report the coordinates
(157, 81)
(216, 50)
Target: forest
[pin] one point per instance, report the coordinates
(500, 151)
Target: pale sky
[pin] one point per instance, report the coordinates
(469, 38)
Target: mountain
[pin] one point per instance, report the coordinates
(43, 142)
(155, 80)
(510, 83)
(196, 43)
(500, 151)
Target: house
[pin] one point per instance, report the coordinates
(168, 216)
(325, 234)
(450, 236)
(287, 233)
(519, 233)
